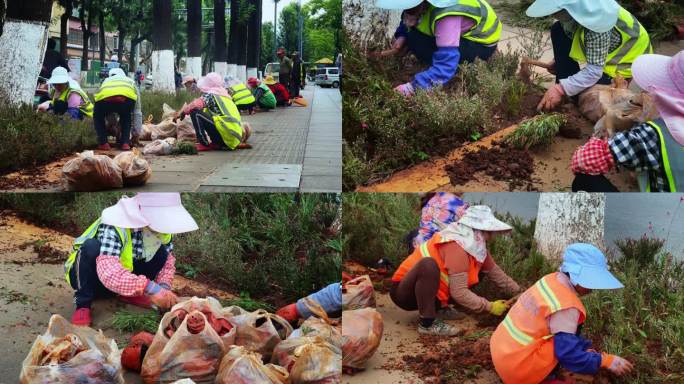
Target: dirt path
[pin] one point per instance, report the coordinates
(401, 339)
(32, 288)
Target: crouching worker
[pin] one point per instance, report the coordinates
(541, 331)
(242, 96)
(215, 117)
(279, 91)
(446, 266)
(329, 298)
(67, 97)
(117, 95)
(262, 93)
(128, 252)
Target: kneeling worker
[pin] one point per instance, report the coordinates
(67, 97)
(117, 95)
(242, 96)
(128, 252)
(541, 331)
(329, 298)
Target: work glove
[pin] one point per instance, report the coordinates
(498, 307)
(289, 313)
(44, 106)
(406, 89)
(593, 158)
(161, 297)
(552, 98)
(616, 364)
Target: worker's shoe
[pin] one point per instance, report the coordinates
(125, 147)
(81, 317)
(203, 148)
(439, 328)
(450, 313)
(139, 301)
(104, 147)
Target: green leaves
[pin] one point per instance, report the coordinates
(537, 131)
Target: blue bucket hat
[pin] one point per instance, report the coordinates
(596, 15)
(587, 267)
(408, 4)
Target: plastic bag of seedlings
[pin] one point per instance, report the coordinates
(361, 336)
(167, 112)
(242, 366)
(319, 325)
(193, 351)
(89, 172)
(160, 147)
(211, 308)
(167, 128)
(309, 360)
(358, 293)
(71, 355)
(260, 331)
(185, 131)
(135, 168)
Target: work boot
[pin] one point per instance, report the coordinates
(450, 313)
(202, 148)
(104, 147)
(81, 317)
(439, 328)
(139, 301)
(125, 147)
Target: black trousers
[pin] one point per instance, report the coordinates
(246, 107)
(592, 183)
(86, 283)
(124, 110)
(424, 46)
(566, 66)
(204, 126)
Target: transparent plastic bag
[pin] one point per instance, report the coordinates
(309, 360)
(361, 335)
(185, 131)
(260, 331)
(71, 355)
(89, 172)
(358, 293)
(160, 147)
(134, 167)
(163, 130)
(242, 366)
(319, 325)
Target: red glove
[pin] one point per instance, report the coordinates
(593, 158)
(289, 313)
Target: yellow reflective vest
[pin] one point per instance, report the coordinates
(126, 257)
(241, 95)
(228, 122)
(672, 158)
(635, 42)
(86, 106)
(487, 28)
(114, 86)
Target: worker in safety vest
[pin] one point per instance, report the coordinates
(654, 149)
(281, 94)
(118, 95)
(242, 96)
(599, 33)
(262, 93)
(328, 298)
(446, 266)
(443, 33)
(128, 252)
(67, 97)
(217, 121)
(541, 331)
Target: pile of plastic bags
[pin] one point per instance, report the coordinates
(167, 128)
(89, 172)
(358, 293)
(134, 167)
(240, 365)
(260, 331)
(72, 355)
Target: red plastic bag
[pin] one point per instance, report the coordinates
(361, 335)
(242, 366)
(89, 172)
(358, 293)
(260, 331)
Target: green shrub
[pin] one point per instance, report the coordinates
(152, 102)
(355, 170)
(539, 130)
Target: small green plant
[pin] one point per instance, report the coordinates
(184, 148)
(539, 130)
(129, 321)
(245, 302)
(643, 250)
(187, 270)
(514, 97)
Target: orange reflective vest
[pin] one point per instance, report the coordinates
(522, 345)
(430, 248)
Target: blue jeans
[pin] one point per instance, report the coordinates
(565, 65)
(86, 283)
(424, 46)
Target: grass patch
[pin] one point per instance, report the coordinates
(539, 130)
(129, 321)
(245, 302)
(152, 102)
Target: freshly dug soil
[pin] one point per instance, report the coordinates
(48, 254)
(514, 166)
(576, 122)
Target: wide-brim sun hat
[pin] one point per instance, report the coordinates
(117, 72)
(269, 80)
(408, 4)
(587, 267)
(59, 76)
(188, 79)
(480, 217)
(124, 214)
(660, 71)
(597, 15)
(165, 212)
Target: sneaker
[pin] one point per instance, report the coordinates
(81, 317)
(104, 147)
(439, 328)
(450, 313)
(203, 148)
(125, 147)
(139, 301)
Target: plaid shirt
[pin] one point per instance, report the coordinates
(597, 46)
(593, 158)
(118, 279)
(442, 209)
(639, 149)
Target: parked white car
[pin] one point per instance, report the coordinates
(328, 77)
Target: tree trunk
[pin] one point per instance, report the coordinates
(220, 37)
(194, 60)
(132, 60)
(241, 46)
(103, 41)
(232, 38)
(64, 28)
(121, 46)
(254, 39)
(22, 47)
(162, 56)
(367, 25)
(566, 218)
(85, 28)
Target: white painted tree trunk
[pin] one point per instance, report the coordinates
(221, 67)
(22, 47)
(367, 25)
(242, 72)
(232, 70)
(194, 66)
(252, 72)
(566, 218)
(162, 71)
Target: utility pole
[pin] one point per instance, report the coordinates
(275, 31)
